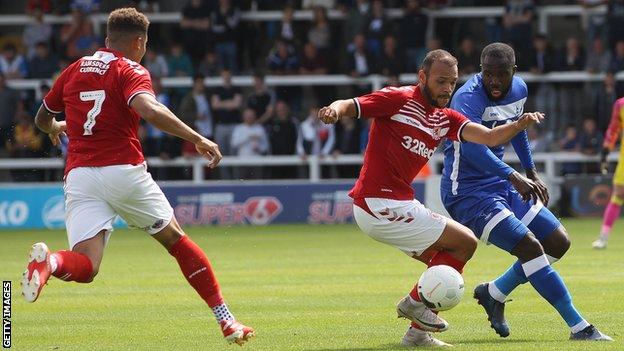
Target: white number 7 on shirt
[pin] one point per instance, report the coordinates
(98, 96)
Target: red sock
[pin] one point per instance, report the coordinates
(443, 257)
(416, 326)
(414, 293)
(73, 266)
(197, 270)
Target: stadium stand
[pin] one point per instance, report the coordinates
(572, 56)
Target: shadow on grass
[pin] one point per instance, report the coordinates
(397, 346)
(392, 346)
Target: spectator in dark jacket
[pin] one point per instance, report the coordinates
(282, 131)
(413, 31)
(43, 64)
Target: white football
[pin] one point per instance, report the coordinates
(441, 287)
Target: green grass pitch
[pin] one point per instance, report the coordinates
(302, 288)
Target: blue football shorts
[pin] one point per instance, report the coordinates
(497, 214)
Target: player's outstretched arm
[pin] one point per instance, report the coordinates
(336, 110)
(162, 118)
(477, 133)
(46, 122)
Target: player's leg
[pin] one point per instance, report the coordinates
(199, 273)
(142, 204)
(546, 228)
(89, 223)
(79, 265)
(612, 211)
(514, 237)
(454, 247)
(415, 230)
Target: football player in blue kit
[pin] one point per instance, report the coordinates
(501, 206)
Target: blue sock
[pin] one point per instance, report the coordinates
(509, 280)
(549, 284)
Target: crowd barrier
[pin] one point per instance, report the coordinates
(262, 203)
(33, 207)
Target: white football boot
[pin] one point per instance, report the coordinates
(418, 338)
(600, 243)
(421, 315)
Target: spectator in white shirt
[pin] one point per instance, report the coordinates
(12, 64)
(249, 139)
(315, 137)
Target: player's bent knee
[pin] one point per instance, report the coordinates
(471, 245)
(528, 248)
(170, 235)
(466, 246)
(557, 243)
(564, 245)
(458, 240)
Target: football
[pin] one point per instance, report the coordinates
(441, 287)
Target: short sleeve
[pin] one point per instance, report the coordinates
(135, 80)
(380, 104)
(53, 101)
(458, 122)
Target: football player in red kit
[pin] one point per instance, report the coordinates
(104, 96)
(409, 122)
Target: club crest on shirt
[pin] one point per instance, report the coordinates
(436, 133)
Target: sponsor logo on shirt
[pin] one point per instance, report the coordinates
(94, 66)
(416, 146)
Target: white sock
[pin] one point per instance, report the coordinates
(496, 293)
(53, 263)
(222, 313)
(580, 326)
(534, 265)
(551, 259)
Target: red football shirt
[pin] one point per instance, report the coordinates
(95, 93)
(403, 136)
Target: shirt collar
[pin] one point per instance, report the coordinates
(118, 54)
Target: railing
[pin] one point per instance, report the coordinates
(543, 14)
(376, 81)
(548, 161)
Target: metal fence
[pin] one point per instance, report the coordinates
(549, 163)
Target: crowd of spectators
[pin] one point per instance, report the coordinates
(211, 40)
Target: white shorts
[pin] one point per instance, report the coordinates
(407, 225)
(95, 196)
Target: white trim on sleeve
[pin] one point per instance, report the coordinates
(137, 93)
(358, 109)
(459, 138)
(49, 109)
(455, 172)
